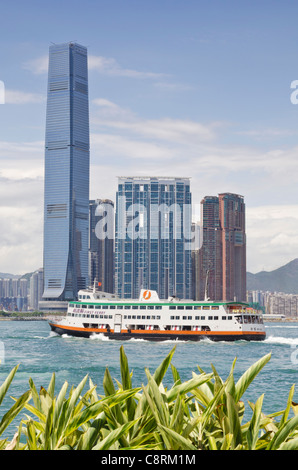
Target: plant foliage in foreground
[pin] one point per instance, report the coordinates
(204, 412)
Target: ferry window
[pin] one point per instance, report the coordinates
(230, 318)
(177, 318)
(215, 318)
(133, 317)
(100, 316)
(184, 318)
(143, 307)
(153, 317)
(105, 316)
(197, 307)
(134, 307)
(210, 318)
(91, 306)
(84, 306)
(138, 317)
(143, 317)
(148, 317)
(110, 316)
(206, 307)
(188, 307)
(104, 306)
(215, 307)
(112, 306)
(87, 296)
(189, 318)
(129, 317)
(203, 318)
(158, 317)
(197, 318)
(223, 318)
(172, 317)
(158, 307)
(180, 307)
(150, 307)
(120, 307)
(126, 307)
(172, 307)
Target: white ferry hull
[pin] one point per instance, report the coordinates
(159, 335)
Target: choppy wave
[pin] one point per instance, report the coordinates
(281, 340)
(98, 337)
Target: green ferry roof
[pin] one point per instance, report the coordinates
(138, 303)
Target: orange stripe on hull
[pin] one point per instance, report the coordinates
(161, 332)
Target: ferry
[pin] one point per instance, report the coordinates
(150, 318)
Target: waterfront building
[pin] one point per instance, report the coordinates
(152, 234)
(101, 244)
(223, 251)
(66, 193)
(36, 289)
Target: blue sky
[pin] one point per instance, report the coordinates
(176, 88)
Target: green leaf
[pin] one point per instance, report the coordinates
(283, 433)
(14, 411)
(233, 421)
(188, 386)
(5, 386)
(180, 443)
(254, 427)
(113, 437)
(247, 378)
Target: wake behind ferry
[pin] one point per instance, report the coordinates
(149, 318)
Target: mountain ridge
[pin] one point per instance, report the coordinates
(283, 279)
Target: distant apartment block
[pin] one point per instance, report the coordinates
(101, 244)
(223, 252)
(14, 294)
(36, 289)
(275, 303)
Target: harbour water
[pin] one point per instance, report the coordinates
(39, 353)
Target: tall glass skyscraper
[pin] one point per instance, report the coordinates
(153, 230)
(66, 194)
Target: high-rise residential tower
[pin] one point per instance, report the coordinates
(101, 244)
(66, 194)
(223, 251)
(153, 230)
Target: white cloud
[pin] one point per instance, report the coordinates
(37, 66)
(21, 97)
(271, 236)
(110, 66)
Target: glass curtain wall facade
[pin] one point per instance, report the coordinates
(101, 244)
(66, 195)
(153, 228)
